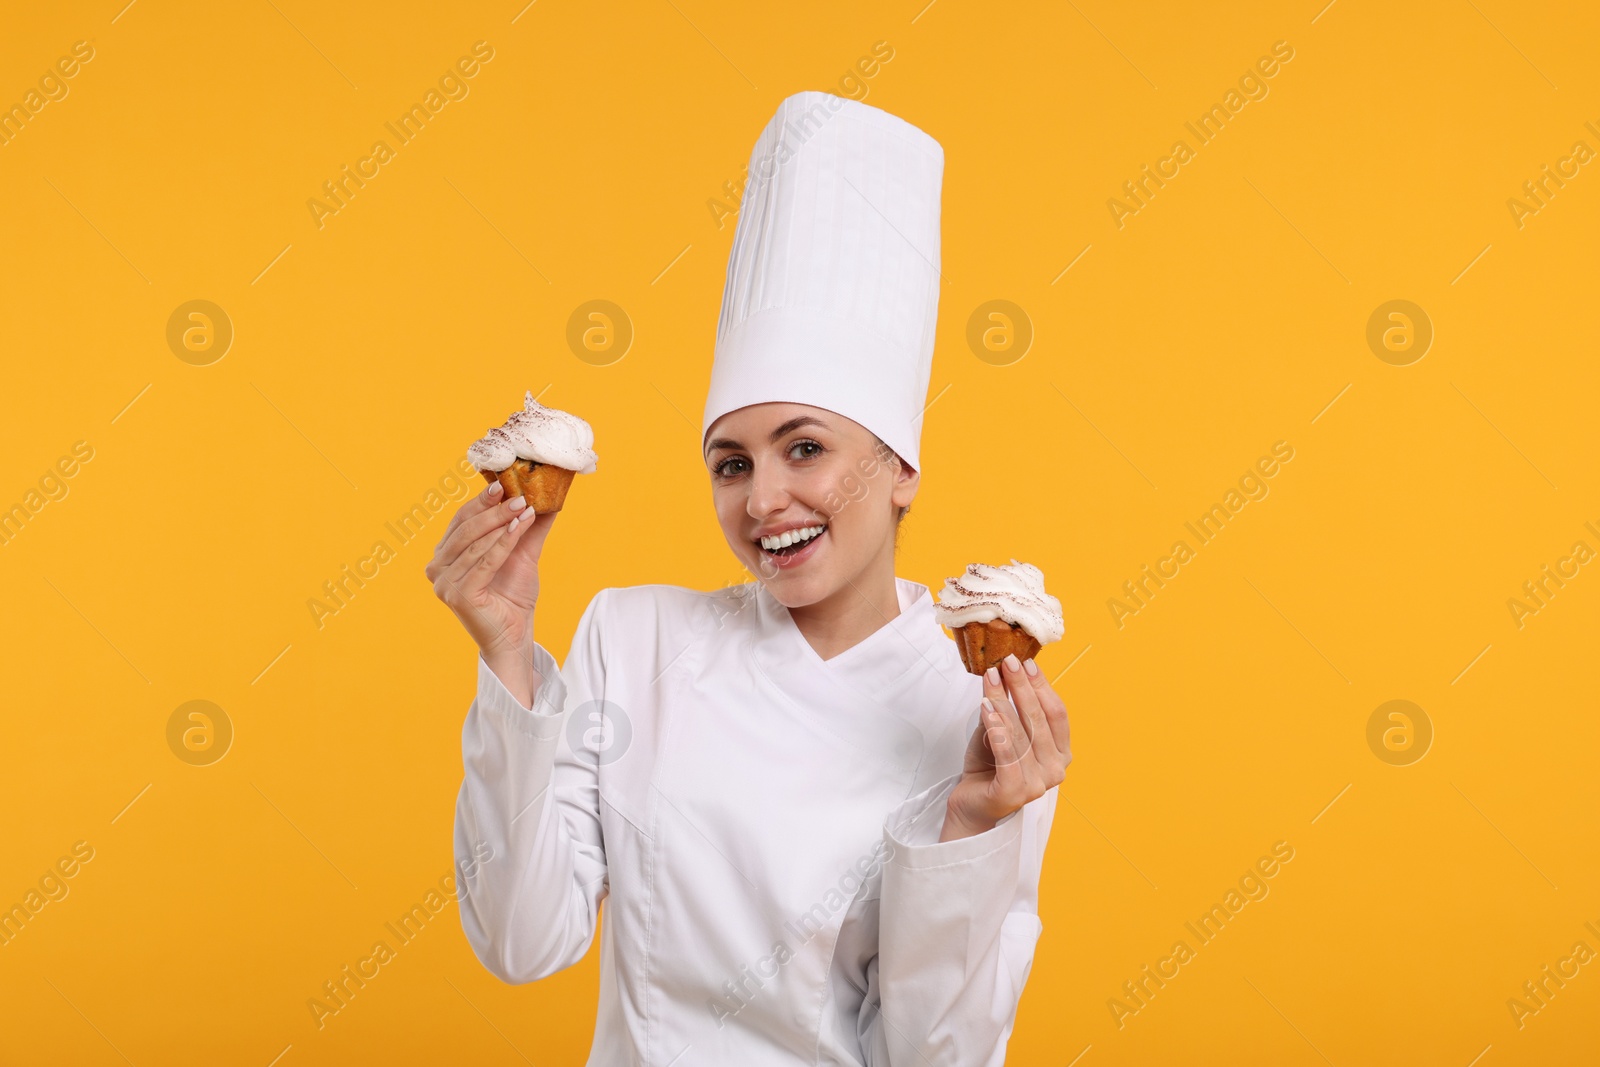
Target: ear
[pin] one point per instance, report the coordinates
(906, 482)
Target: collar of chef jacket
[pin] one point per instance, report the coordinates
(896, 691)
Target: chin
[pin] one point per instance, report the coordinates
(797, 592)
(791, 590)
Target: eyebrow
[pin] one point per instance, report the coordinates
(788, 427)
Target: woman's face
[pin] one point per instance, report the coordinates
(789, 469)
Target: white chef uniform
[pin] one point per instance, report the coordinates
(763, 824)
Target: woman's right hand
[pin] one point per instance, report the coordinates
(486, 570)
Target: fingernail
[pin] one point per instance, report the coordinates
(993, 674)
(987, 705)
(495, 489)
(1012, 663)
(517, 503)
(1031, 667)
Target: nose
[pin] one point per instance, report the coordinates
(768, 492)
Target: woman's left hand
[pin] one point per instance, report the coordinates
(1020, 750)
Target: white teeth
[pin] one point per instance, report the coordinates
(790, 537)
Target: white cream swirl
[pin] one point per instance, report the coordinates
(1015, 594)
(538, 434)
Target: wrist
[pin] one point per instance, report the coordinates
(513, 665)
(958, 825)
(510, 647)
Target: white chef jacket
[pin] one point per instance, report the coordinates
(763, 826)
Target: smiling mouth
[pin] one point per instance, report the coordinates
(791, 542)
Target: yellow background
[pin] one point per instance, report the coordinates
(1223, 317)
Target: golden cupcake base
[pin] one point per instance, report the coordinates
(543, 485)
(984, 644)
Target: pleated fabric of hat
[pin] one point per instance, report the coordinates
(832, 291)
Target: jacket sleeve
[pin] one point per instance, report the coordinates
(958, 922)
(530, 857)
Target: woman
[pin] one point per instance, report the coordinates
(818, 837)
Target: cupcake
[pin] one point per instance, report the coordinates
(995, 611)
(535, 454)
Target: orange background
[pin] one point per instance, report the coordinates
(1229, 313)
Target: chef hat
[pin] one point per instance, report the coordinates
(833, 282)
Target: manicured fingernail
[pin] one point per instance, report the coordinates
(1031, 667)
(987, 705)
(1012, 663)
(517, 503)
(993, 674)
(495, 489)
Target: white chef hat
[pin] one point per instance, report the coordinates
(833, 282)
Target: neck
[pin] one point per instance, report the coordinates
(853, 613)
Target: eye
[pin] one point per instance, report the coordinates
(808, 443)
(722, 469)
